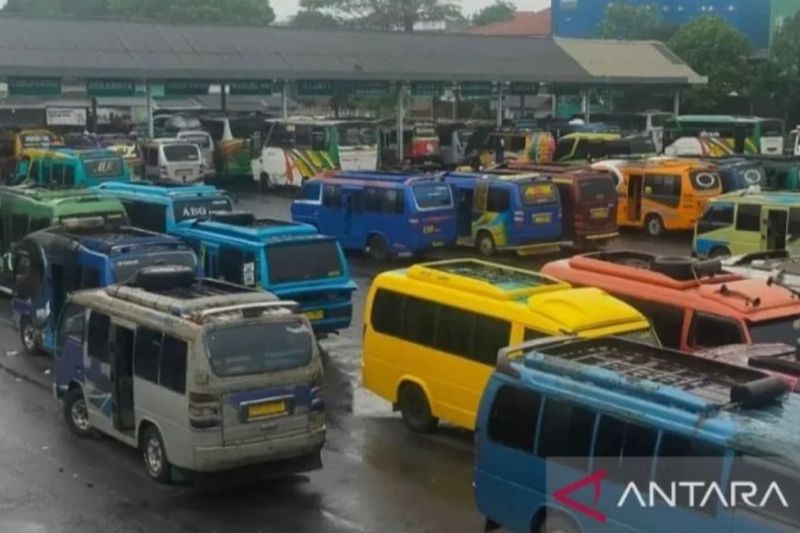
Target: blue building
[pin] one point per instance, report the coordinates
(580, 18)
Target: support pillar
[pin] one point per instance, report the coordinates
(151, 133)
(676, 102)
(224, 97)
(401, 93)
(456, 95)
(499, 105)
(284, 99)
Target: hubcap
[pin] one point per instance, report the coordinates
(29, 337)
(486, 246)
(79, 415)
(655, 227)
(153, 456)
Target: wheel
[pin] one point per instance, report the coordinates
(416, 409)
(557, 524)
(76, 414)
(155, 455)
(264, 182)
(377, 248)
(485, 245)
(654, 225)
(29, 337)
(719, 252)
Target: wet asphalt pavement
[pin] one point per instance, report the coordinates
(377, 476)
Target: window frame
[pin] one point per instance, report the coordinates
(750, 228)
(698, 315)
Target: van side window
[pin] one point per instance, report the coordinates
(663, 189)
(566, 433)
(748, 217)
(387, 201)
(99, 326)
(310, 191)
(709, 331)
(73, 319)
(146, 354)
(666, 319)
(332, 196)
(794, 222)
(69, 175)
(624, 449)
(147, 216)
(419, 321)
(58, 174)
(172, 373)
(499, 200)
(681, 458)
(513, 418)
(490, 335)
(717, 216)
(453, 332)
(385, 312)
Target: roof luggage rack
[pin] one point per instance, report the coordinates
(678, 268)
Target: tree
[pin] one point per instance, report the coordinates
(713, 48)
(500, 11)
(386, 15)
(231, 11)
(627, 22)
(313, 20)
(781, 75)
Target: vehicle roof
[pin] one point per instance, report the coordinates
(720, 118)
(666, 389)
(651, 164)
(518, 295)
(378, 178)
(159, 192)
(557, 171)
(105, 239)
(725, 295)
(768, 198)
(592, 136)
(510, 179)
(248, 229)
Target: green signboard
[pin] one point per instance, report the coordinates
(476, 90)
(34, 86)
(185, 87)
(369, 89)
(524, 88)
(426, 88)
(110, 87)
(251, 87)
(315, 88)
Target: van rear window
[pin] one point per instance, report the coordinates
(538, 193)
(181, 152)
(107, 167)
(432, 195)
(597, 190)
(257, 348)
(303, 261)
(200, 207)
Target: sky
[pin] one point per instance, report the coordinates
(286, 8)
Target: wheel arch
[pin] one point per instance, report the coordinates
(411, 380)
(142, 426)
(541, 513)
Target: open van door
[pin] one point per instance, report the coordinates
(774, 228)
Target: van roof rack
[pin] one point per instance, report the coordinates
(691, 383)
(677, 268)
(487, 279)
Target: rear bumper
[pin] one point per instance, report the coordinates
(269, 453)
(532, 249)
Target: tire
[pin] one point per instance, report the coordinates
(264, 182)
(557, 523)
(378, 248)
(29, 337)
(154, 455)
(76, 415)
(718, 252)
(654, 225)
(416, 409)
(485, 245)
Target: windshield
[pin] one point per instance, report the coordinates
(203, 141)
(597, 190)
(125, 268)
(304, 261)
(644, 336)
(241, 349)
(357, 136)
(181, 152)
(107, 167)
(538, 193)
(200, 207)
(432, 195)
(778, 330)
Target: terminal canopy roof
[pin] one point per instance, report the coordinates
(74, 48)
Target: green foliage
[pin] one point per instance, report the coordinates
(223, 11)
(313, 20)
(500, 11)
(713, 48)
(626, 22)
(781, 83)
(386, 14)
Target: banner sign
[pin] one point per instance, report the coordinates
(34, 86)
(476, 90)
(65, 116)
(519, 88)
(370, 89)
(110, 87)
(186, 87)
(251, 87)
(315, 88)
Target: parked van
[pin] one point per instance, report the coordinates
(744, 222)
(432, 331)
(693, 305)
(581, 435)
(739, 174)
(80, 254)
(203, 141)
(26, 210)
(161, 208)
(70, 169)
(516, 145)
(585, 146)
(358, 145)
(386, 214)
(519, 212)
(190, 372)
(14, 142)
(661, 195)
(173, 161)
(233, 144)
(290, 260)
(420, 146)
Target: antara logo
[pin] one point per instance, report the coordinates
(595, 480)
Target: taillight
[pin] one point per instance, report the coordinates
(317, 402)
(204, 411)
(163, 172)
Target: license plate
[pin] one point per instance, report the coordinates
(315, 315)
(438, 244)
(261, 410)
(427, 230)
(599, 212)
(183, 173)
(541, 218)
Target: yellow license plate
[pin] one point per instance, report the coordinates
(599, 212)
(427, 230)
(315, 315)
(542, 218)
(260, 410)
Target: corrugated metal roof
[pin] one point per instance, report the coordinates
(106, 48)
(637, 61)
(529, 23)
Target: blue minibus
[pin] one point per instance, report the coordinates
(519, 212)
(291, 260)
(64, 168)
(160, 208)
(386, 214)
(610, 435)
(81, 254)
